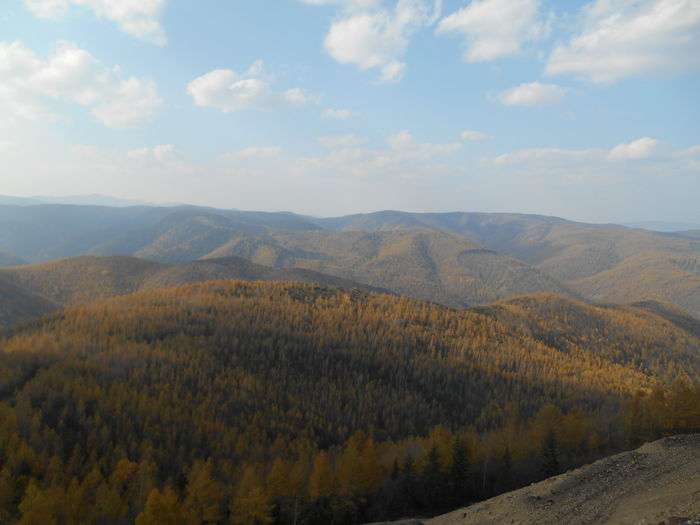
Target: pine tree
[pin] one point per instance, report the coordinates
(550, 455)
(459, 474)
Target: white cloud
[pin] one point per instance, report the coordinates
(337, 114)
(403, 157)
(229, 91)
(621, 38)
(404, 143)
(340, 141)
(547, 155)
(474, 136)
(138, 18)
(372, 37)
(161, 153)
(7, 146)
(640, 149)
(29, 84)
(347, 4)
(495, 28)
(532, 94)
(693, 151)
(637, 149)
(255, 153)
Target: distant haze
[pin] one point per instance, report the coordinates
(525, 106)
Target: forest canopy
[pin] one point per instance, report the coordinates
(244, 402)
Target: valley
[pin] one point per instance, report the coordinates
(456, 259)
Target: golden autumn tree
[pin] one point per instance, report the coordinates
(205, 496)
(250, 504)
(162, 508)
(321, 480)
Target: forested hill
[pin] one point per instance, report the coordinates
(33, 290)
(313, 404)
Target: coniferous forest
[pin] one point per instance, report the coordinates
(256, 403)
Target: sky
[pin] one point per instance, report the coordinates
(588, 110)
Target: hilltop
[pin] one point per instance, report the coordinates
(457, 259)
(85, 279)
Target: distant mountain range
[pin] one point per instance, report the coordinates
(663, 226)
(80, 200)
(457, 259)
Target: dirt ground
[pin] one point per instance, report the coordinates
(659, 483)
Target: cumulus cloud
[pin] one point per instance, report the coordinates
(408, 147)
(229, 91)
(494, 29)
(693, 151)
(619, 38)
(254, 153)
(403, 156)
(29, 85)
(638, 149)
(337, 114)
(347, 4)
(547, 155)
(474, 136)
(160, 153)
(140, 19)
(370, 36)
(532, 94)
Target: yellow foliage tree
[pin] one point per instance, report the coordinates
(251, 505)
(162, 508)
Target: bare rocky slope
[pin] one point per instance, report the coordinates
(659, 483)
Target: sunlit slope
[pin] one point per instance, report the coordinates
(425, 264)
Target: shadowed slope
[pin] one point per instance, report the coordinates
(84, 279)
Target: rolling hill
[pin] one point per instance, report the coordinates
(458, 259)
(235, 395)
(17, 304)
(37, 289)
(425, 264)
(600, 262)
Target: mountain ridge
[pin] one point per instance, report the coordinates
(459, 259)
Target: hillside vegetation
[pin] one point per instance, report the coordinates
(84, 279)
(255, 402)
(17, 304)
(457, 259)
(425, 264)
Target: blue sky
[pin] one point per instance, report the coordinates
(583, 109)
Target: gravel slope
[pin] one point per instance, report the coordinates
(657, 483)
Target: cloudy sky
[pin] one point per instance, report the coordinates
(584, 109)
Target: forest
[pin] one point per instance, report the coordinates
(259, 403)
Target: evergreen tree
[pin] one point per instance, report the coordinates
(550, 455)
(459, 474)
